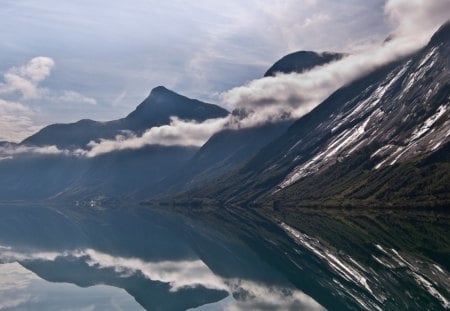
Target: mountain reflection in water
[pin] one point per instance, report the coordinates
(127, 258)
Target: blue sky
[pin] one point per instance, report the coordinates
(108, 55)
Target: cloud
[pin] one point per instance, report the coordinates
(9, 151)
(25, 79)
(417, 19)
(178, 274)
(73, 97)
(294, 95)
(315, 19)
(15, 121)
(177, 133)
(21, 87)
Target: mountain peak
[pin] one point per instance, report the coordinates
(442, 34)
(160, 90)
(301, 61)
(161, 96)
(163, 103)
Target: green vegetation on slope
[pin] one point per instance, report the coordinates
(353, 182)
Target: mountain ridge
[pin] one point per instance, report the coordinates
(155, 110)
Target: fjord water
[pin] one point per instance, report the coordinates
(137, 257)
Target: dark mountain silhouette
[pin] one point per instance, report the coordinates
(155, 110)
(301, 61)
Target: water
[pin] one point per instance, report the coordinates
(124, 257)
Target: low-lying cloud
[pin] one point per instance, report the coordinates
(177, 133)
(10, 150)
(15, 121)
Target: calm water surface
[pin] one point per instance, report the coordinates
(136, 258)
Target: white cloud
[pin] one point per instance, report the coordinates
(315, 19)
(73, 97)
(177, 133)
(11, 150)
(417, 19)
(25, 79)
(15, 121)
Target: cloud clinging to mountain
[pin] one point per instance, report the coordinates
(297, 94)
(177, 133)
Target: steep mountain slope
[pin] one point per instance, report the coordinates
(301, 61)
(396, 114)
(155, 110)
(228, 149)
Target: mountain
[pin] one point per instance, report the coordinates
(381, 139)
(115, 174)
(144, 173)
(155, 110)
(228, 149)
(301, 61)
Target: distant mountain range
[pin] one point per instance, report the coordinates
(381, 140)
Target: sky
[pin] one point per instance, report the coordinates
(62, 61)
